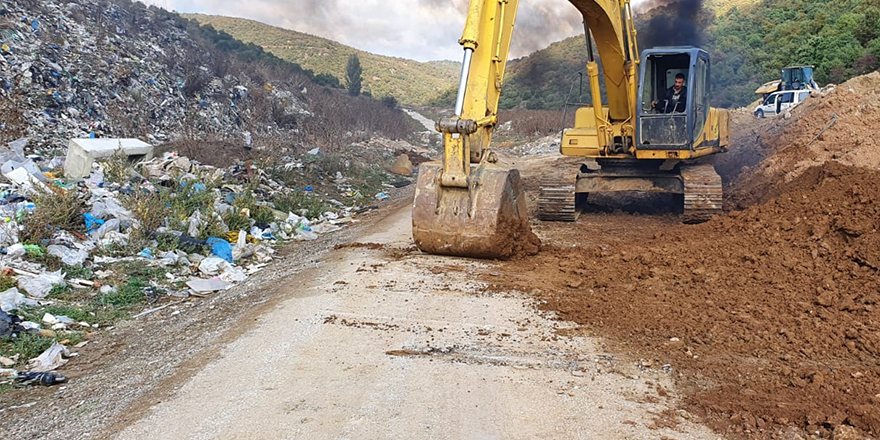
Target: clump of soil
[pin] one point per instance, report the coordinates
(772, 314)
(358, 245)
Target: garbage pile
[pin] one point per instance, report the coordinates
(76, 255)
(94, 69)
(541, 146)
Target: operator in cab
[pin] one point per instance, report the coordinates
(675, 100)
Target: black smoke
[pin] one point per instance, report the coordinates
(671, 23)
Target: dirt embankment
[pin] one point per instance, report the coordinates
(839, 124)
(770, 313)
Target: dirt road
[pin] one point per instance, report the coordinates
(382, 342)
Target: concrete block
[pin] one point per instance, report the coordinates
(82, 153)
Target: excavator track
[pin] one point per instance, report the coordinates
(703, 193)
(557, 200)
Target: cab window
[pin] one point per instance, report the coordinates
(701, 83)
(802, 96)
(659, 94)
(787, 98)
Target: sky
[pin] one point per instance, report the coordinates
(422, 30)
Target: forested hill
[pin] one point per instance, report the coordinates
(749, 41)
(410, 82)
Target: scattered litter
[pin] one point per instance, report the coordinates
(51, 359)
(12, 299)
(45, 379)
(206, 286)
(221, 248)
(68, 256)
(39, 286)
(9, 324)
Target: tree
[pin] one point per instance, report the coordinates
(353, 75)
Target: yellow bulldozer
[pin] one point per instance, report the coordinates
(651, 134)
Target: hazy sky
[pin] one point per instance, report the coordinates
(418, 29)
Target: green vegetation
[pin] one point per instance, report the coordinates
(544, 79)
(301, 203)
(353, 76)
(751, 43)
(27, 346)
(130, 294)
(411, 82)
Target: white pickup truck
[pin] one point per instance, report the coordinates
(778, 102)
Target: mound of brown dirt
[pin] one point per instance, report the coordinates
(839, 124)
(772, 314)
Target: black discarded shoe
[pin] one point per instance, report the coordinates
(45, 379)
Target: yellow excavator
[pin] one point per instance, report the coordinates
(651, 134)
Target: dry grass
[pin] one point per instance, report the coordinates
(55, 210)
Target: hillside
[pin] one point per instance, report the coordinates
(411, 82)
(155, 75)
(749, 41)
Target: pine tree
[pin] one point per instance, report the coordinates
(353, 75)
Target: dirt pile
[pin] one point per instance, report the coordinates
(771, 314)
(838, 124)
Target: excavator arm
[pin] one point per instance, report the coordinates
(486, 41)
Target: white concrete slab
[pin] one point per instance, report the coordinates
(82, 153)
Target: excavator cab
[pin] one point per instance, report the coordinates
(671, 119)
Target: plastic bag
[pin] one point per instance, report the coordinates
(195, 222)
(92, 223)
(99, 210)
(51, 359)
(212, 266)
(116, 210)
(303, 235)
(16, 250)
(108, 226)
(67, 255)
(242, 239)
(169, 259)
(12, 299)
(233, 274)
(39, 286)
(8, 233)
(220, 248)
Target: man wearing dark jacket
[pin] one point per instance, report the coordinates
(675, 100)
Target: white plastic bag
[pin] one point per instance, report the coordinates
(39, 286)
(8, 233)
(16, 250)
(12, 299)
(51, 359)
(107, 227)
(212, 266)
(67, 255)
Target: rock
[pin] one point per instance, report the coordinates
(844, 432)
(403, 166)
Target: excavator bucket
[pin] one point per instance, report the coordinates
(487, 220)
